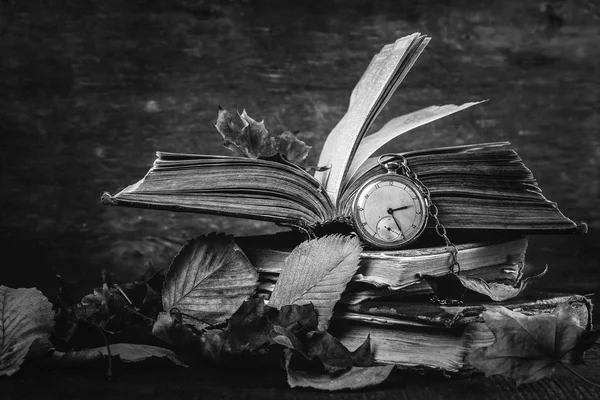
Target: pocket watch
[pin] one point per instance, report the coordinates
(390, 210)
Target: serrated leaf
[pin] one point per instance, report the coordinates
(127, 352)
(317, 272)
(253, 140)
(26, 317)
(498, 291)
(208, 281)
(529, 348)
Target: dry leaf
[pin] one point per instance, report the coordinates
(252, 329)
(256, 325)
(320, 351)
(298, 320)
(127, 352)
(363, 356)
(453, 286)
(498, 291)
(230, 131)
(329, 351)
(529, 348)
(253, 140)
(292, 149)
(353, 378)
(208, 281)
(317, 272)
(165, 329)
(250, 326)
(184, 340)
(26, 317)
(285, 338)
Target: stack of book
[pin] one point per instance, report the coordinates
(487, 198)
(388, 299)
(420, 333)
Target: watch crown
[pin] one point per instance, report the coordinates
(392, 167)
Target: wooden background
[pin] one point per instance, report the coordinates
(91, 89)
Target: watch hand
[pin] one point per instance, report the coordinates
(391, 230)
(391, 210)
(397, 223)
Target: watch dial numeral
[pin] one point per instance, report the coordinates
(391, 183)
(377, 186)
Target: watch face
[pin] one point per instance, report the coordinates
(389, 211)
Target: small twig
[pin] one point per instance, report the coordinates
(122, 293)
(136, 312)
(129, 306)
(109, 372)
(577, 374)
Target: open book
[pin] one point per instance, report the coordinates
(484, 186)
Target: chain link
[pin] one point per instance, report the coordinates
(440, 230)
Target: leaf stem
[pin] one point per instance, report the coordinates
(176, 311)
(123, 295)
(129, 304)
(109, 371)
(577, 374)
(136, 312)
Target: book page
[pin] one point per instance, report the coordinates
(233, 186)
(383, 74)
(397, 127)
(396, 80)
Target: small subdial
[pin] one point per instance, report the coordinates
(387, 229)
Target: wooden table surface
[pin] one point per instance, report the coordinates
(217, 383)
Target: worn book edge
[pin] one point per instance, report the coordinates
(410, 343)
(401, 268)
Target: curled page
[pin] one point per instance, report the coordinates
(382, 76)
(397, 127)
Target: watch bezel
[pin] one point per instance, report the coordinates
(365, 235)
